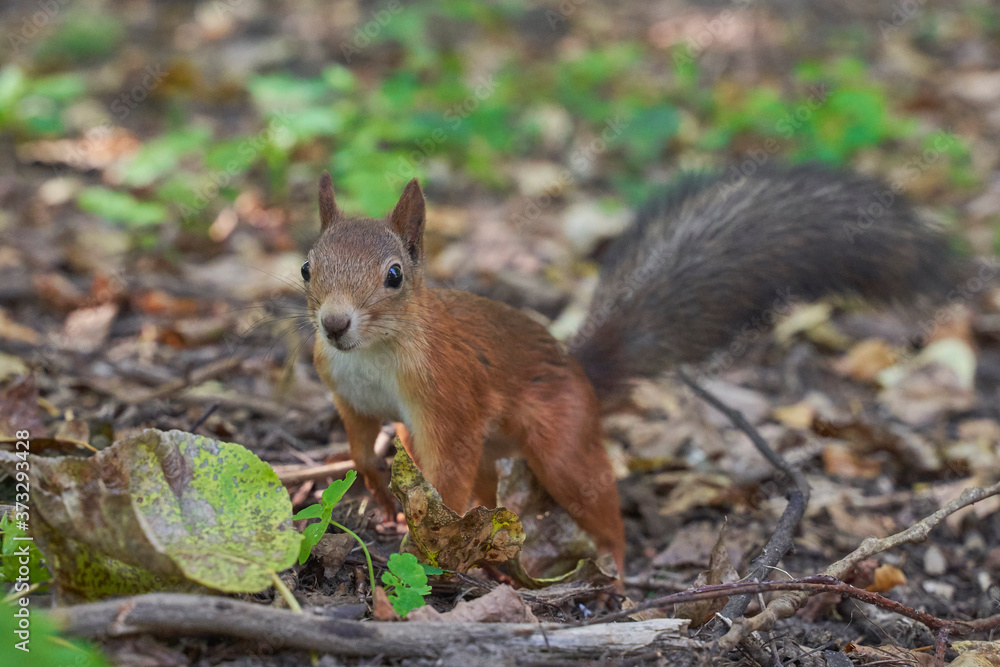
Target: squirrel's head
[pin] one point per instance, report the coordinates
(361, 273)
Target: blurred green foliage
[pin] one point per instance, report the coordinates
(433, 109)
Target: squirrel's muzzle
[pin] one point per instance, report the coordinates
(335, 325)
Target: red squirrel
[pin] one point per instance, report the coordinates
(472, 380)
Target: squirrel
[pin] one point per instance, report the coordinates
(471, 380)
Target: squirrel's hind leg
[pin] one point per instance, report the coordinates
(571, 463)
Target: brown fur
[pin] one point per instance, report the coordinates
(481, 380)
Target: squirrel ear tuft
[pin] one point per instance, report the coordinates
(328, 211)
(407, 220)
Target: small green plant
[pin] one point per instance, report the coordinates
(12, 555)
(323, 511)
(406, 582)
(45, 644)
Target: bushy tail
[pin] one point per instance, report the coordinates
(715, 257)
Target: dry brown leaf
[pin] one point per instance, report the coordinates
(841, 461)
(888, 654)
(720, 571)
(86, 329)
(383, 610)
(19, 409)
(553, 542)
(865, 360)
(887, 577)
(501, 605)
(11, 366)
(438, 535)
(158, 302)
(976, 654)
(56, 290)
(73, 429)
(695, 490)
(97, 151)
(799, 415)
(854, 524)
(16, 331)
(332, 550)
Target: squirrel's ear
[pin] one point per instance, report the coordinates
(407, 219)
(328, 211)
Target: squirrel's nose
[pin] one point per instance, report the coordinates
(335, 324)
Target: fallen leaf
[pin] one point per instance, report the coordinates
(439, 536)
(553, 543)
(890, 655)
(865, 360)
(720, 571)
(56, 290)
(501, 605)
(800, 415)
(693, 490)
(841, 461)
(19, 409)
(383, 610)
(11, 366)
(813, 321)
(72, 429)
(887, 577)
(976, 654)
(15, 331)
(161, 510)
(332, 551)
(86, 329)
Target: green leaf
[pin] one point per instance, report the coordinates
(406, 600)
(173, 510)
(406, 583)
(12, 551)
(46, 646)
(273, 92)
(431, 569)
(311, 535)
(311, 512)
(83, 35)
(159, 157)
(409, 571)
(337, 489)
(120, 207)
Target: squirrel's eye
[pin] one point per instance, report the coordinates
(305, 272)
(394, 276)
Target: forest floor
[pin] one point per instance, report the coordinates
(109, 328)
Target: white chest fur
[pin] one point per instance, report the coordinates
(367, 378)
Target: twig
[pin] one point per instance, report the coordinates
(798, 497)
(195, 377)
(808, 586)
(173, 614)
(292, 474)
(204, 417)
(55, 443)
(786, 605)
